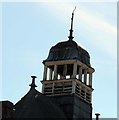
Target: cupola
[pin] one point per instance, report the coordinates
(67, 70)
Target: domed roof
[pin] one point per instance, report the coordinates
(68, 50)
(35, 105)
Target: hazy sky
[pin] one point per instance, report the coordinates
(30, 29)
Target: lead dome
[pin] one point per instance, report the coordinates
(68, 50)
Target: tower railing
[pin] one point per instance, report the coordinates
(67, 87)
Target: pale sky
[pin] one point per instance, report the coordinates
(30, 29)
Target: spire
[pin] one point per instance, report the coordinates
(71, 30)
(33, 82)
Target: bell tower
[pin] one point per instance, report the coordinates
(67, 78)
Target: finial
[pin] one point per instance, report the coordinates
(33, 82)
(71, 30)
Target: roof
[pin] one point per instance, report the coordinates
(68, 50)
(6, 103)
(35, 105)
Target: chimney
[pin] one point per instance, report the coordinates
(97, 116)
(33, 82)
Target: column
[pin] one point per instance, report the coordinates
(90, 79)
(80, 73)
(64, 71)
(73, 86)
(61, 77)
(45, 73)
(85, 76)
(83, 93)
(74, 70)
(50, 74)
(80, 89)
(43, 88)
(55, 72)
(53, 87)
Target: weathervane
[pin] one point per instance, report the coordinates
(71, 30)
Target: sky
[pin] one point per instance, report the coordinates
(30, 29)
